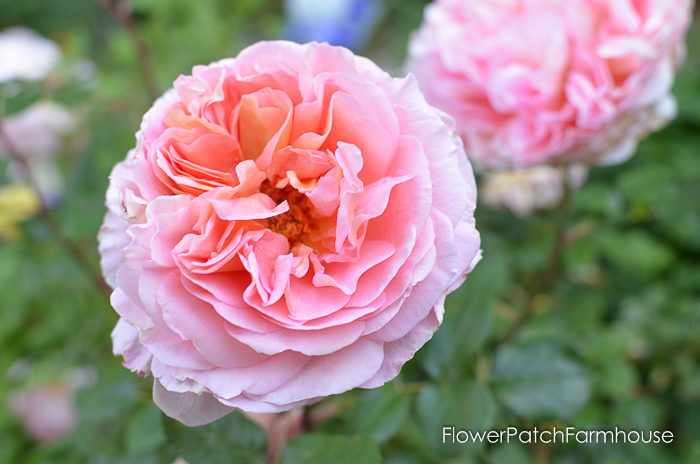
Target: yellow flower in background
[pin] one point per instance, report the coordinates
(18, 202)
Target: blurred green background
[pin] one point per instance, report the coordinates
(612, 341)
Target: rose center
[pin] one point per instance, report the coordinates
(295, 224)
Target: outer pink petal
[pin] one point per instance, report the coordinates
(113, 241)
(427, 292)
(258, 379)
(189, 408)
(197, 321)
(309, 342)
(399, 351)
(331, 374)
(126, 343)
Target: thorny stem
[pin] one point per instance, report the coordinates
(121, 11)
(45, 215)
(550, 274)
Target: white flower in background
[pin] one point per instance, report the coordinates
(37, 136)
(26, 55)
(526, 190)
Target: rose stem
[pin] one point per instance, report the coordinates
(45, 215)
(122, 13)
(549, 276)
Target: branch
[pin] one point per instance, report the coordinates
(550, 275)
(122, 13)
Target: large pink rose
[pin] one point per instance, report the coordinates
(287, 228)
(551, 81)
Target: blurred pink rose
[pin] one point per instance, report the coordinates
(551, 81)
(287, 228)
(48, 412)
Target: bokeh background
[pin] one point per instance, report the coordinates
(610, 338)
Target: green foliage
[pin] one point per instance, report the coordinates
(612, 341)
(539, 381)
(468, 405)
(230, 439)
(144, 432)
(322, 449)
(509, 454)
(378, 413)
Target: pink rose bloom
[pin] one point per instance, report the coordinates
(287, 228)
(551, 81)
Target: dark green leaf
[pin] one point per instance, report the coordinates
(380, 413)
(510, 453)
(639, 252)
(465, 406)
(233, 438)
(326, 449)
(539, 381)
(144, 431)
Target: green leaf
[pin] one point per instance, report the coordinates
(640, 414)
(598, 199)
(694, 454)
(10, 445)
(618, 380)
(327, 449)
(639, 252)
(402, 456)
(108, 399)
(539, 381)
(647, 183)
(509, 453)
(380, 413)
(469, 318)
(144, 431)
(233, 438)
(465, 406)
